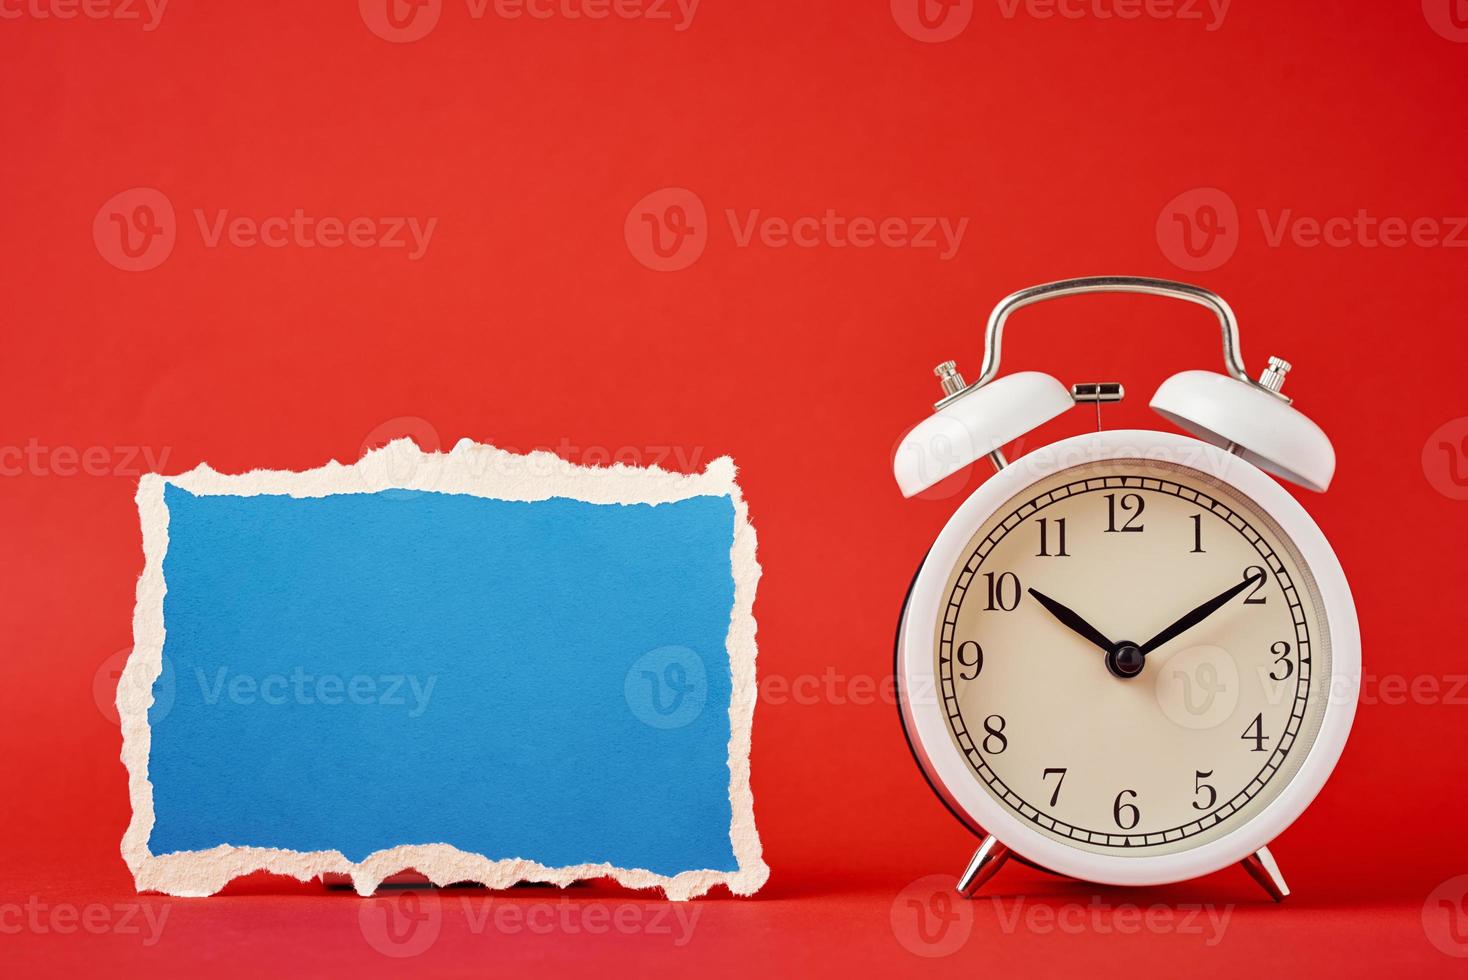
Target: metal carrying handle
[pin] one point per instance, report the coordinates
(994, 334)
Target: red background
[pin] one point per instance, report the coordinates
(530, 321)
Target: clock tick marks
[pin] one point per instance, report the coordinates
(994, 595)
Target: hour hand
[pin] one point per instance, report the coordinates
(1069, 618)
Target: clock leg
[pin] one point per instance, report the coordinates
(985, 863)
(1263, 869)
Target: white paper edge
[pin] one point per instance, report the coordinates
(482, 471)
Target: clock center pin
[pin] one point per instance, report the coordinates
(1125, 660)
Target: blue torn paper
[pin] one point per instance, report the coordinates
(481, 666)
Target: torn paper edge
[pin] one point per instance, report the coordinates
(481, 471)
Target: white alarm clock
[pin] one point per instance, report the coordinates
(1130, 657)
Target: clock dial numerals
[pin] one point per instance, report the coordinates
(970, 660)
(1258, 596)
(1004, 591)
(1131, 506)
(1126, 813)
(1059, 775)
(1255, 733)
(1200, 788)
(995, 741)
(1282, 668)
(1154, 689)
(1045, 534)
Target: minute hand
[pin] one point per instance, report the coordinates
(1198, 615)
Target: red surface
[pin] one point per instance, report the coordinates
(533, 319)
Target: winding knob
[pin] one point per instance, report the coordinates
(950, 379)
(1273, 378)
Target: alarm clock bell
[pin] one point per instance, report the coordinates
(1251, 418)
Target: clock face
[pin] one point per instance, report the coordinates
(1132, 657)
